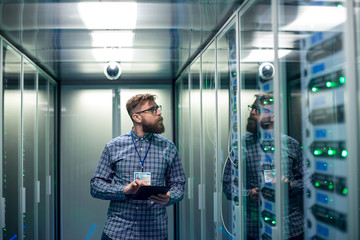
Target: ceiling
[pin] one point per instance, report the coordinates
(153, 40)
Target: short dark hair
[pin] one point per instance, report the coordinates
(137, 100)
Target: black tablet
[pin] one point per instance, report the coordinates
(145, 192)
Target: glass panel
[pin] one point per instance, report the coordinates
(209, 174)
(29, 148)
(227, 130)
(52, 157)
(315, 79)
(43, 160)
(195, 169)
(12, 172)
(184, 153)
(257, 125)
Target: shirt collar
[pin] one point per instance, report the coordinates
(147, 137)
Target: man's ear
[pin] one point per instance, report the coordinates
(136, 118)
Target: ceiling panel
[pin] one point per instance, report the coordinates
(74, 40)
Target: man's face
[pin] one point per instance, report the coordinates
(151, 120)
(260, 115)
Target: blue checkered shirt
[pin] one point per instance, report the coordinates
(292, 154)
(137, 219)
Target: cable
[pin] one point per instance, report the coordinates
(221, 188)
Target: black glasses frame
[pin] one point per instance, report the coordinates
(153, 110)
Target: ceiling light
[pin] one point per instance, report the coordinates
(112, 38)
(108, 15)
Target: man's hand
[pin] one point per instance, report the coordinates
(160, 198)
(254, 194)
(134, 186)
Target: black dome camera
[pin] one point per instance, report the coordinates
(112, 70)
(266, 71)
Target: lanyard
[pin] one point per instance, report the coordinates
(143, 160)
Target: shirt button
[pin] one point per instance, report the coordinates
(141, 149)
(137, 208)
(135, 222)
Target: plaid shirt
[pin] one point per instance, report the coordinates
(255, 165)
(137, 219)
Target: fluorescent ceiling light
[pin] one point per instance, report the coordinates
(112, 38)
(113, 54)
(106, 19)
(264, 55)
(108, 15)
(316, 18)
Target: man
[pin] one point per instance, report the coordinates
(258, 149)
(139, 158)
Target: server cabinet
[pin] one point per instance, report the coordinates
(323, 80)
(28, 149)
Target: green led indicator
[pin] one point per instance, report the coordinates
(340, 5)
(317, 184)
(267, 219)
(272, 149)
(271, 99)
(331, 186)
(331, 200)
(273, 222)
(344, 153)
(331, 152)
(345, 191)
(331, 84)
(266, 102)
(342, 80)
(265, 149)
(317, 152)
(314, 89)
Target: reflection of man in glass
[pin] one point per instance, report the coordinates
(258, 148)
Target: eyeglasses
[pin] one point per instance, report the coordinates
(153, 110)
(258, 109)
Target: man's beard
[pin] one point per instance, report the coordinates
(251, 125)
(157, 127)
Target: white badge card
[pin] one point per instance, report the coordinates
(143, 176)
(269, 175)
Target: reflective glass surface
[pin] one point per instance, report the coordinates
(209, 174)
(12, 161)
(195, 150)
(29, 150)
(227, 131)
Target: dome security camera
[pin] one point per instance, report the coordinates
(266, 71)
(112, 70)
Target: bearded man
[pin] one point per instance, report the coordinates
(139, 158)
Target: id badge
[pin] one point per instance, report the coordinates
(269, 175)
(143, 176)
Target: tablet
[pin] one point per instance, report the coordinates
(145, 192)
